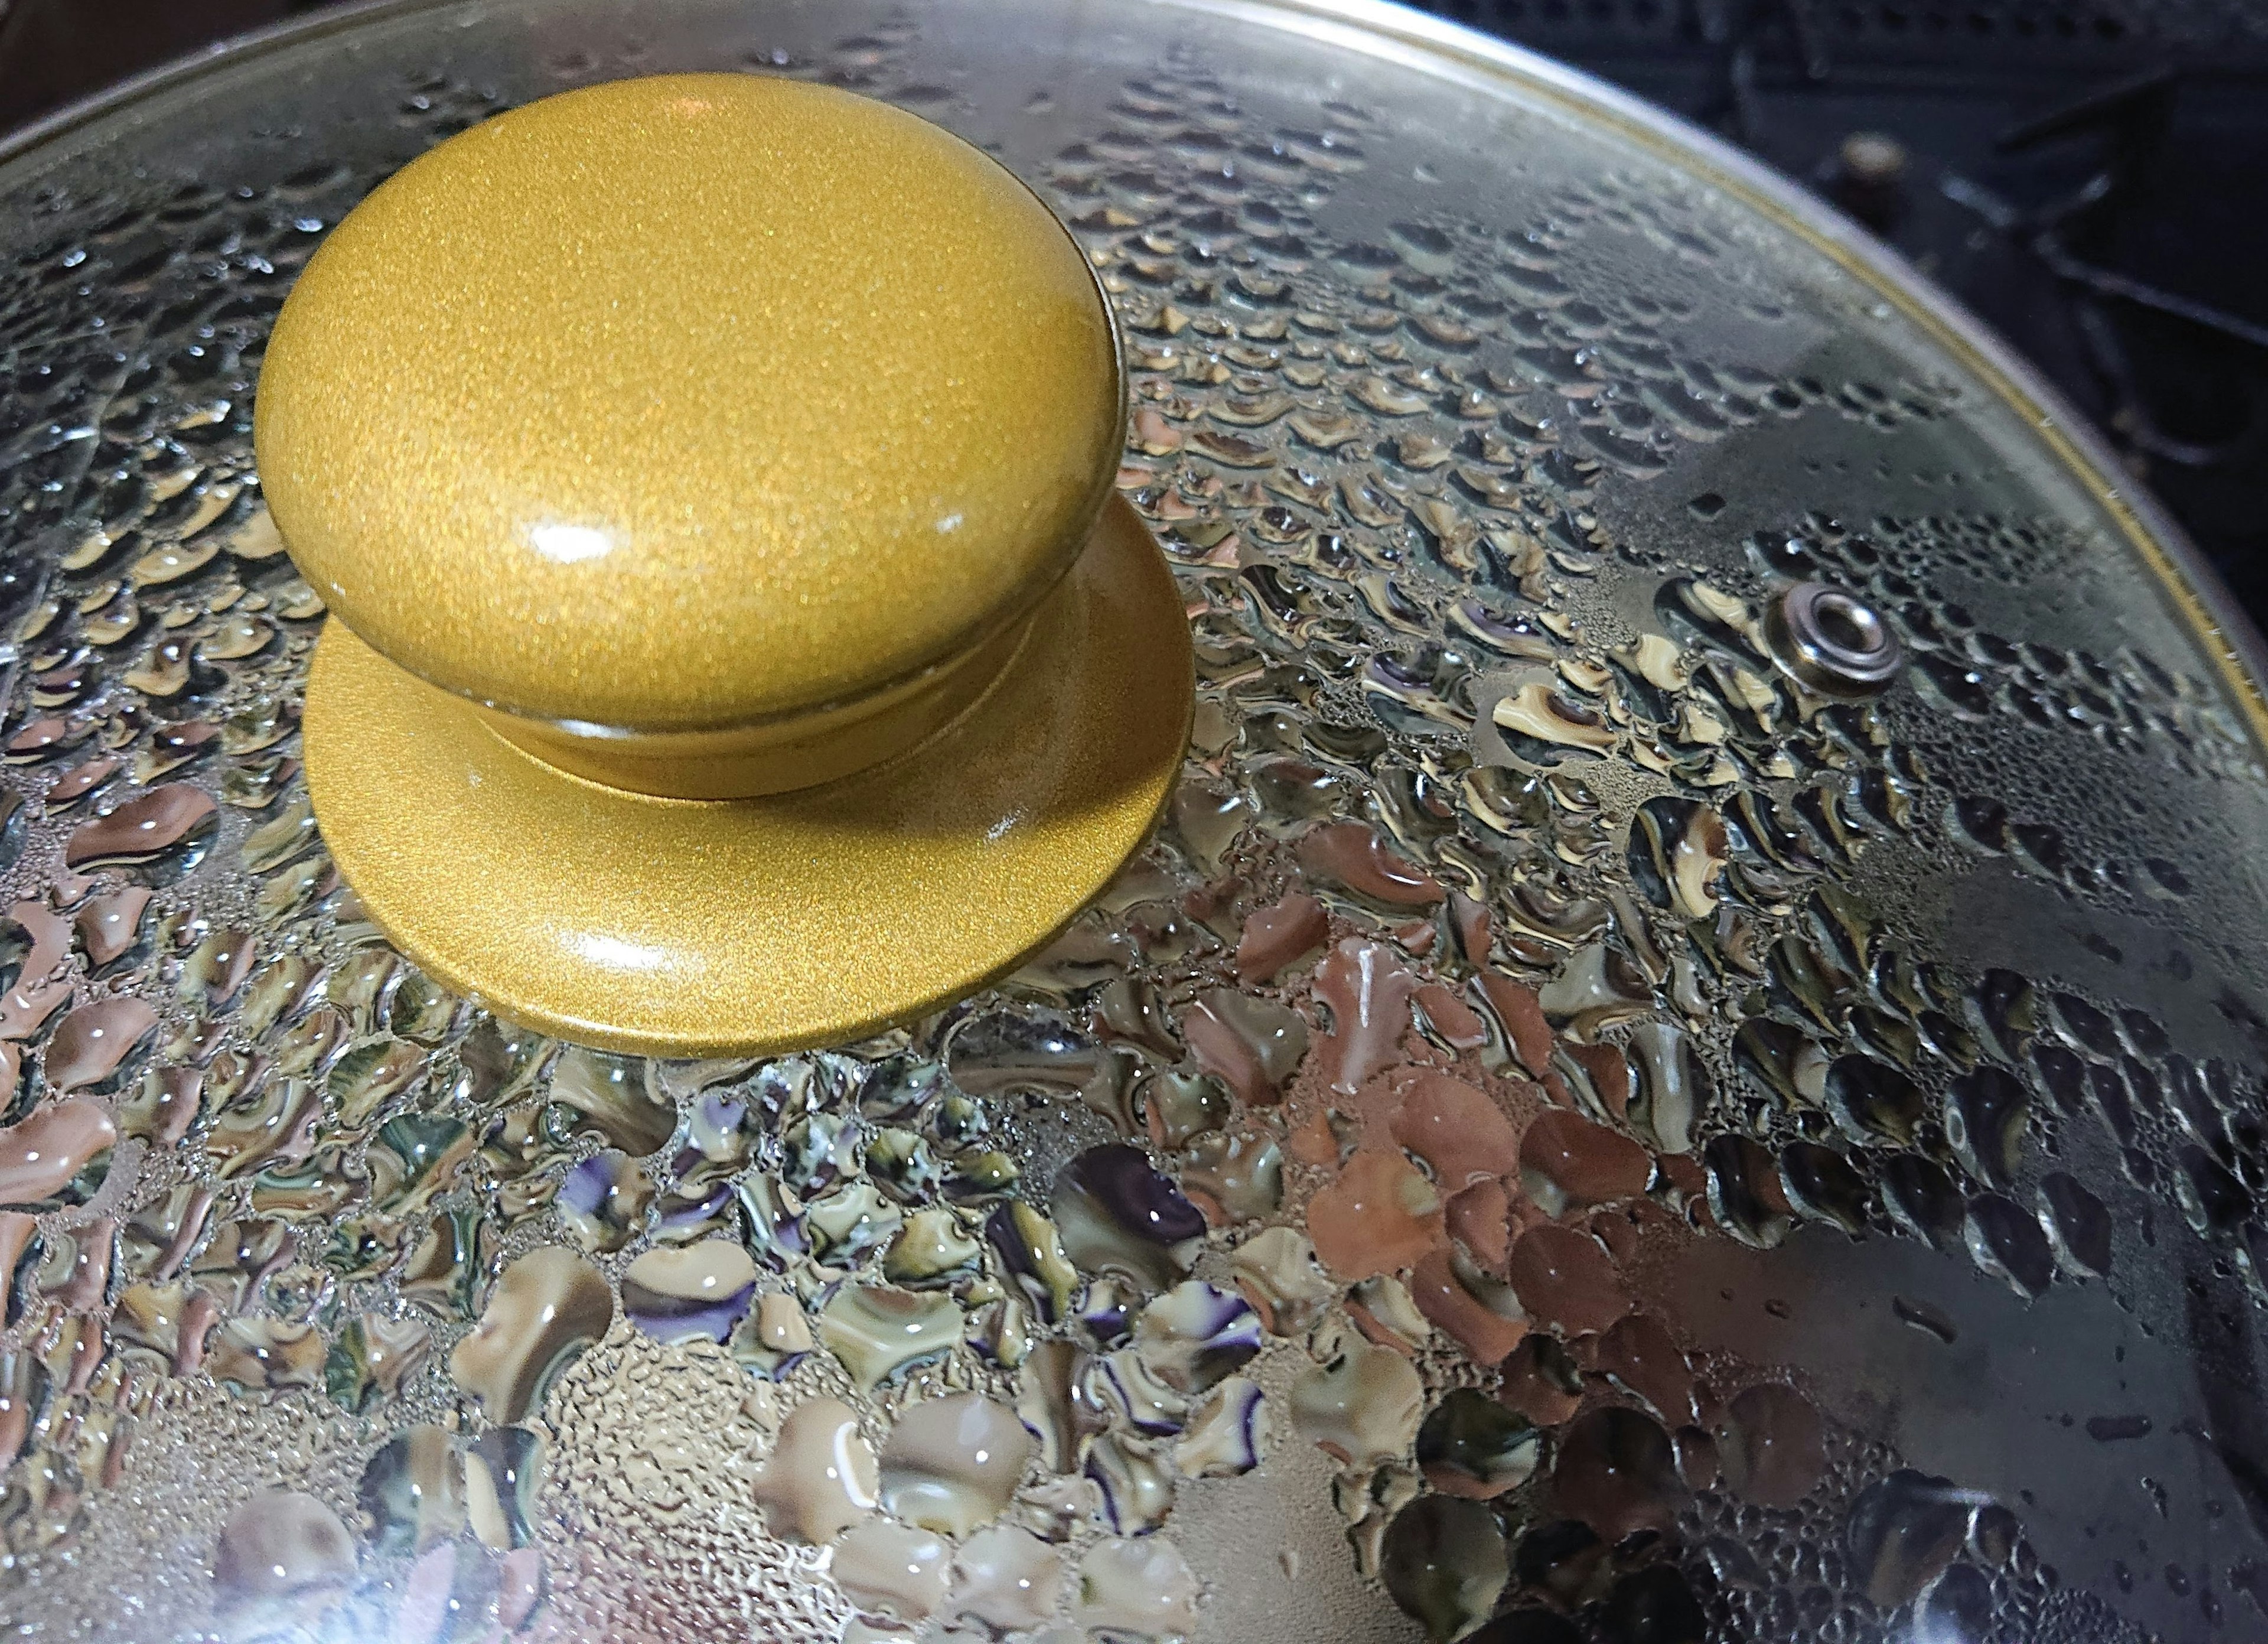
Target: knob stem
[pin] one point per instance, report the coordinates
(777, 756)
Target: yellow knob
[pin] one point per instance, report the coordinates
(717, 431)
(735, 643)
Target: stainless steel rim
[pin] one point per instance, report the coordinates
(1384, 29)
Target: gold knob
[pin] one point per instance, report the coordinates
(708, 430)
(726, 439)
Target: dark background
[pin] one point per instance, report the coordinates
(2090, 176)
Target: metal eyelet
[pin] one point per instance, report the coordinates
(1834, 643)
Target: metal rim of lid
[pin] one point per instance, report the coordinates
(2238, 649)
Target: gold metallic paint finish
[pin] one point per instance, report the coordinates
(685, 927)
(691, 404)
(707, 436)
(788, 754)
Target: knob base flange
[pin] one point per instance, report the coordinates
(677, 927)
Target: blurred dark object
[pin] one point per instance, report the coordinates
(2087, 175)
(53, 52)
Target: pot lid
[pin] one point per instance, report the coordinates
(1684, 1061)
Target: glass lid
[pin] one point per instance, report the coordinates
(1685, 1062)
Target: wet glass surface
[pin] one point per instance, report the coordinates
(1567, 1134)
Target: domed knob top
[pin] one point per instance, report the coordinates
(687, 407)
